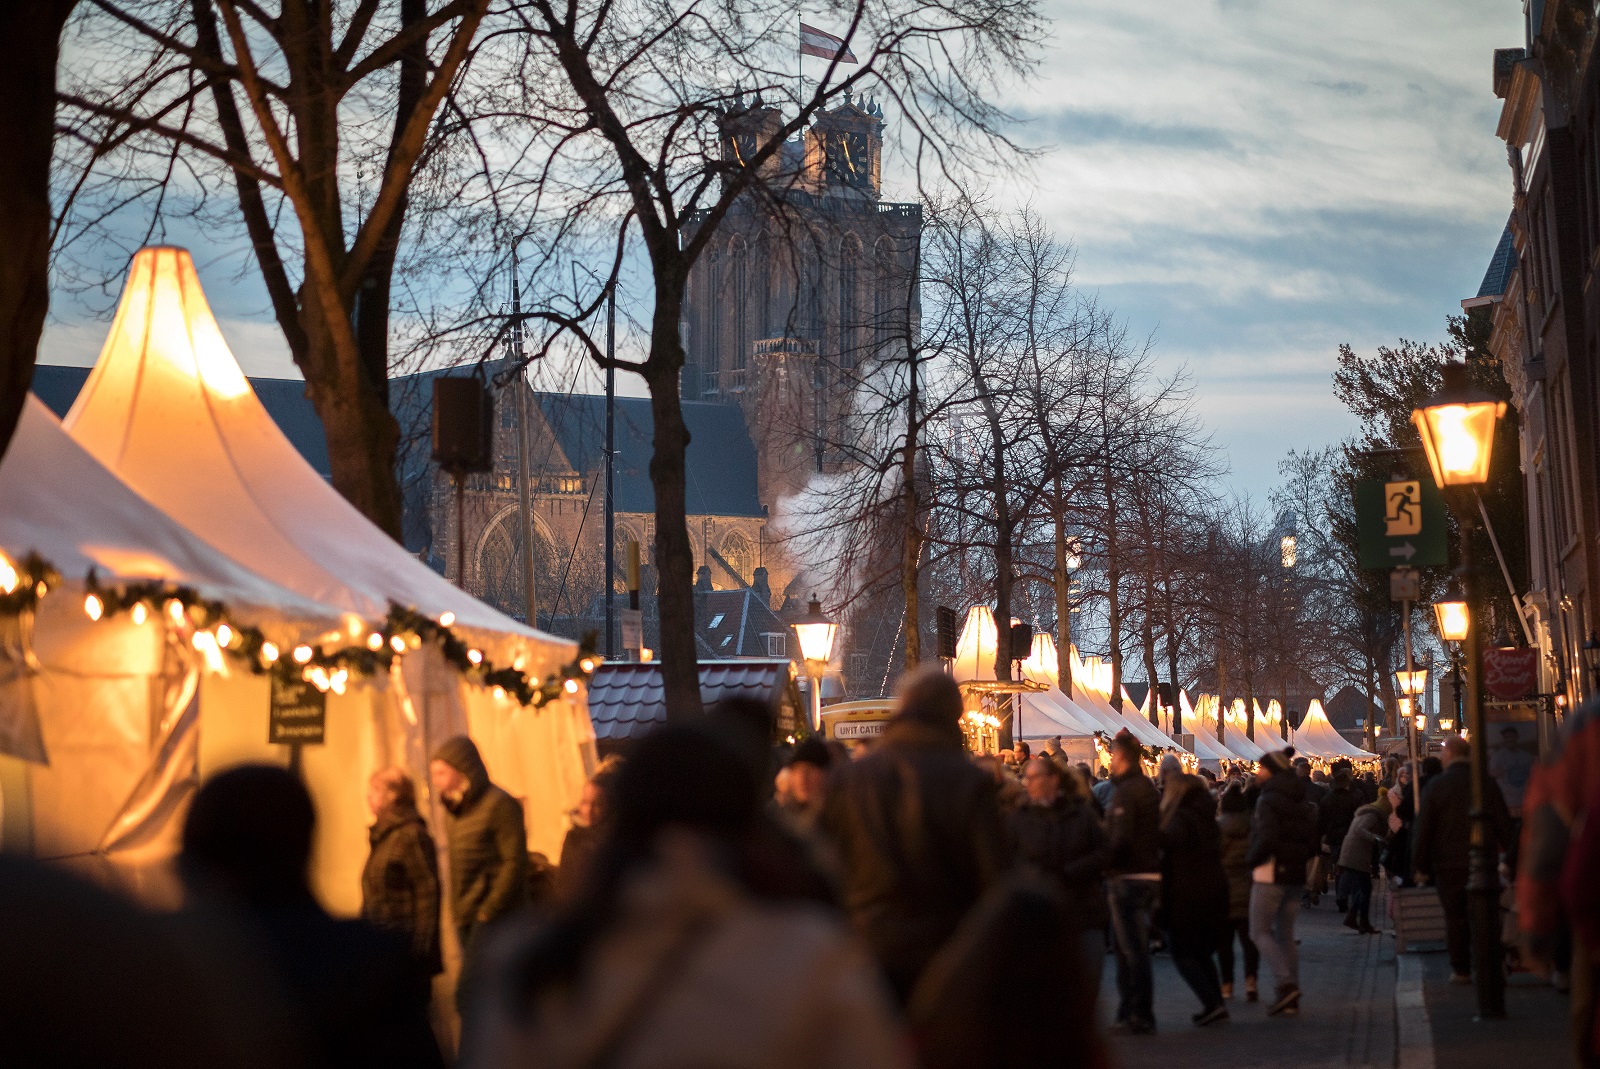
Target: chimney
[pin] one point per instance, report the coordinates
(761, 587)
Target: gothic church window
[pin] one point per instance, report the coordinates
(849, 302)
(883, 291)
(741, 302)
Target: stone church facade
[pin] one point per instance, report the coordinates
(805, 286)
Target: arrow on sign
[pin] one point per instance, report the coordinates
(1405, 550)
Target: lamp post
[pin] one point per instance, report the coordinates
(1457, 429)
(816, 632)
(1412, 682)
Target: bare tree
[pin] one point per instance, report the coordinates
(284, 105)
(27, 128)
(654, 123)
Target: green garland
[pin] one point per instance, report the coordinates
(404, 629)
(23, 584)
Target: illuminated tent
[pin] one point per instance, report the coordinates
(1040, 710)
(85, 703)
(1091, 689)
(1206, 747)
(1317, 737)
(1234, 738)
(1269, 726)
(168, 409)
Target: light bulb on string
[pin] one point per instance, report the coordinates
(224, 635)
(93, 607)
(375, 642)
(302, 654)
(475, 656)
(175, 610)
(139, 614)
(269, 653)
(9, 579)
(446, 619)
(571, 686)
(397, 644)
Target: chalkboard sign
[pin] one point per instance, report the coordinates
(299, 713)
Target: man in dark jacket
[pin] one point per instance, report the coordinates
(488, 843)
(1282, 842)
(400, 883)
(1194, 890)
(1443, 843)
(1335, 812)
(917, 830)
(1133, 882)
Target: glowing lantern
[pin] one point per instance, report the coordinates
(1457, 429)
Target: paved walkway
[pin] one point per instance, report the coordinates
(1347, 1013)
(1534, 1032)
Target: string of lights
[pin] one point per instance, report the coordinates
(328, 664)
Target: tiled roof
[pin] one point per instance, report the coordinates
(1346, 707)
(1501, 264)
(626, 700)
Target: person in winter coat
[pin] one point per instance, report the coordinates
(350, 987)
(400, 882)
(916, 829)
(1194, 890)
(1358, 863)
(488, 844)
(1057, 835)
(1443, 843)
(681, 952)
(1133, 882)
(1284, 839)
(1234, 823)
(1334, 813)
(1397, 851)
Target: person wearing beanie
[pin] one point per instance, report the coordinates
(916, 828)
(1236, 823)
(488, 841)
(808, 772)
(1358, 861)
(1283, 842)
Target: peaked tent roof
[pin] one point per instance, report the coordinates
(1317, 737)
(169, 411)
(1206, 745)
(1090, 689)
(57, 499)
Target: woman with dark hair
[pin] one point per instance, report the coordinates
(1234, 821)
(680, 951)
(1194, 890)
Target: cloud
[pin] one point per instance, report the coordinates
(1253, 182)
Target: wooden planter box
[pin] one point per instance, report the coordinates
(1418, 919)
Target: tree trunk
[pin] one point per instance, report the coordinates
(1113, 599)
(1172, 659)
(27, 129)
(911, 548)
(1063, 581)
(680, 669)
(1149, 636)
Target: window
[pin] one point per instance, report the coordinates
(716, 621)
(777, 644)
(724, 643)
(883, 304)
(849, 301)
(741, 303)
(710, 329)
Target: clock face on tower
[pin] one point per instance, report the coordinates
(850, 159)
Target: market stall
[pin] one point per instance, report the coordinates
(111, 616)
(1317, 738)
(169, 411)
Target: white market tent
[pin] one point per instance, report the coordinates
(169, 411)
(1234, 738)
(1051, 706)
(1207, 748)
(1269, 726)
(1317, 737)
(1091, 689)
(84, 704)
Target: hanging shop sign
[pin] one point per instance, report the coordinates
(299, 713)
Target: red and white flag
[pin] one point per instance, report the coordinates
(815, 42)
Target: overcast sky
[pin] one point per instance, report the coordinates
(1250, 182)
(1256, 181)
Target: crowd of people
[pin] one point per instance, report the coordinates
(900, 904)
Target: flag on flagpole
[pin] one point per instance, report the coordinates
(815, 42)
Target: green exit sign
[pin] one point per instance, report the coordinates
(1400, 524)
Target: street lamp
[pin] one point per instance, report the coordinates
(1451, 612)
(1457, 427)
(1412, 684)
(816, 632)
